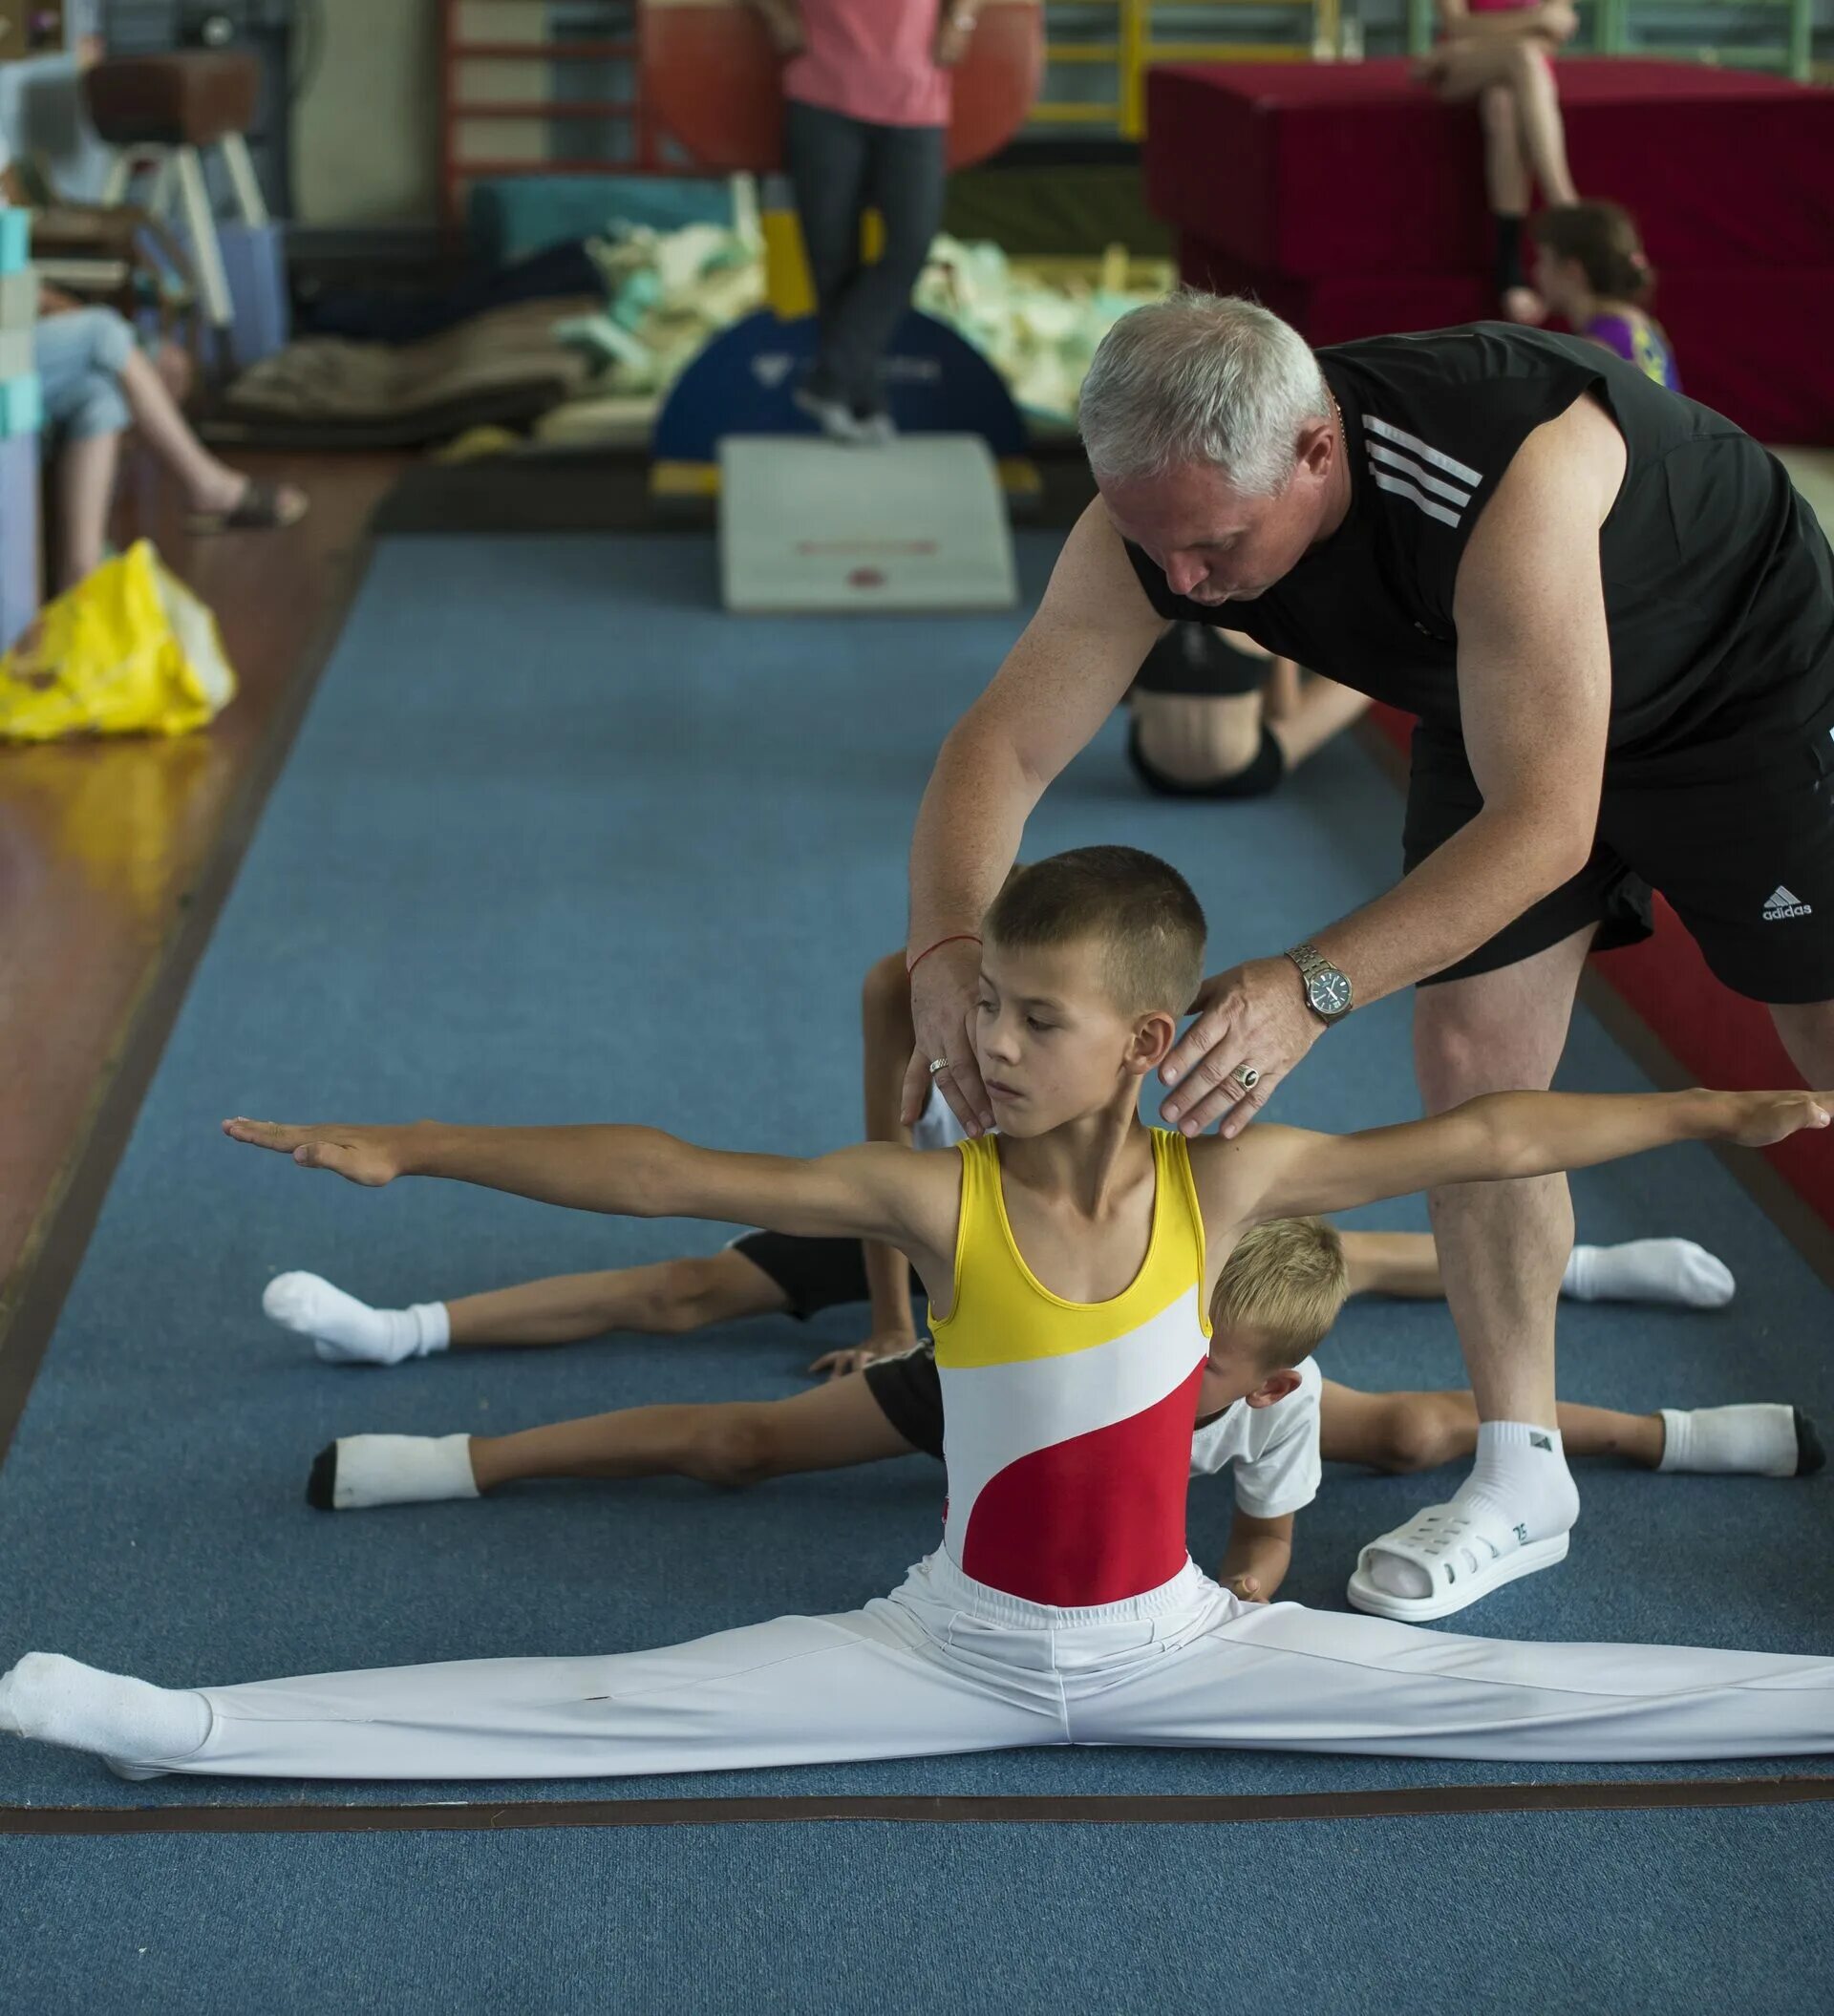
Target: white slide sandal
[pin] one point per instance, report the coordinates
(1461, 1561)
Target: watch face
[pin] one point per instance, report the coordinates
(1327, 991)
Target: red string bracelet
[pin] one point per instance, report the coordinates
(954, 938)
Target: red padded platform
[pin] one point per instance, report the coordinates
(1316, 169)
(1753, 344)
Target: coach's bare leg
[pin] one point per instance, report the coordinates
(1807, 1030)
(1503, 1249)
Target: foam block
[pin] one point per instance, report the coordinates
(18, 299)
(16, 238)
(22, 408)
(1316, 169)
(18, 534)
(254, 264)
(919, 523)
(17, 349)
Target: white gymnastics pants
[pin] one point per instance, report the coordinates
(945, 1665)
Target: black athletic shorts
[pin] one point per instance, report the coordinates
(1743, 848)
(814, 1273)
(1194, 660)
(909, 1392)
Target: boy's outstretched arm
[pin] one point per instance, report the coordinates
(869, 1192)
(1287, 1172)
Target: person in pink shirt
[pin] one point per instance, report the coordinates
(1501, 52)
(866, 85)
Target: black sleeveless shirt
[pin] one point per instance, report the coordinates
(1718, 582)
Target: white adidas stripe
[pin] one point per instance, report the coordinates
(1417, 446)
(1409, 467)
(1402, 487)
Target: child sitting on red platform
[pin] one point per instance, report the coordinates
(1593, 272)
(1500, 53)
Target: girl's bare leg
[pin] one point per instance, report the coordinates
(1324, 709)
(1506, 166)
(85, 488)
(1522, 66)
(208, 484)
(1403, 1263)
(736, 1442)
(1409, 1432)
(666, 1299)
(1544, 132)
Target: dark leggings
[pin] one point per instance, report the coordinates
(840, 168)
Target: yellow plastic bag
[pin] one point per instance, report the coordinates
(130, 651)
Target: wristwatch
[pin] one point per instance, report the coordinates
(1329, 994)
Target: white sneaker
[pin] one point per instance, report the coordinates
(835, 419)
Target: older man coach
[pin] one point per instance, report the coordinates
(1615, 619)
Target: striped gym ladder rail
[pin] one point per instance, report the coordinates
(1665, 28)
(1118, 36)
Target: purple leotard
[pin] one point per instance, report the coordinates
(1639, 341)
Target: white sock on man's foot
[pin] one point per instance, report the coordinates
(346, 1331)
(1519, 1485)
(53, 1699)
(1666, 1270)
(1765, 1439)
(358, 1472)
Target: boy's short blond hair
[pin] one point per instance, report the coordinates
(1137, 910)
(1286, 1279)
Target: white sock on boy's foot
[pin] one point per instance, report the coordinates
(346, 1331)
(358, 1472)
(1765, 1439)
(1519, 1485)
(1669, 1270)
(53, 1699)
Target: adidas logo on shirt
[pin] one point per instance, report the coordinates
(1405, 466)
(1780, 903)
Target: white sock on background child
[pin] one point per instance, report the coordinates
(1666, 1270)
(1764, 1440)
(346, 1331)
(358, 1472)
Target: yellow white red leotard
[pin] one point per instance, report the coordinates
(1067, 1425)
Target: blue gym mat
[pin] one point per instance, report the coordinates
(1677, 1912)
(560, 840)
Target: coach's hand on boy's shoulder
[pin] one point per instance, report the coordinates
(1253, 1019)
(370, 1156)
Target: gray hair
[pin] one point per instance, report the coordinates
(1201, 378)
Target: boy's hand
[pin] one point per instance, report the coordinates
(1760, 1118)
(1246, 1587)
(370, 1156)
(856, 1357)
